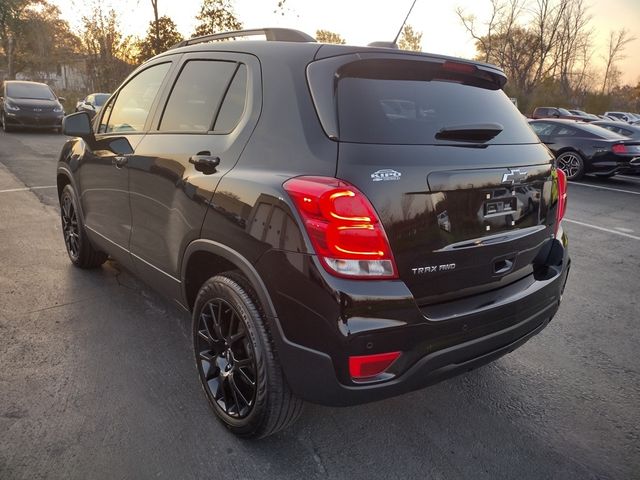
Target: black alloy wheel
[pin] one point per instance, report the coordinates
(70, 229)
(237, 362)
(81, 253)
(571, 164)
(226, 359)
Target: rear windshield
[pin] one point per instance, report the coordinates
(409, 102)
(29, 90)
(101, 98)
(600, 132)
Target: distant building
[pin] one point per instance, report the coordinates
(69, 75)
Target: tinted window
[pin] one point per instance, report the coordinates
(29, 90)
(564, 131)
(409, 102)
(100, 99)
(595, 130)
(133, 103)
(233, 104)
(196, 96)
(542, 128)
(564, 112)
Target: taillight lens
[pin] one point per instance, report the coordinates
(459, 67)
(619, 148)
(344, 229)
(562, 197)
(366, 366)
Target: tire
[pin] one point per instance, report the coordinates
(5, 128)
(81, 253)
(572, 164)
(236, 360)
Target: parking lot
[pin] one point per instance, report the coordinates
(97, 378)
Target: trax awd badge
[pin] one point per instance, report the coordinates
(445, 267)
(385, 175)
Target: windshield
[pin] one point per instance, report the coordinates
(411, 103)
(101, 98)
(34, 91)
(564, 112)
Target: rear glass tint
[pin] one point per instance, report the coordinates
(409, 102)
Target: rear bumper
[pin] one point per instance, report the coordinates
(314, 340)
(314, 379)
(617, 164)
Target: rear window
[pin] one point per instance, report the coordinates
(100, 99)
(600, 132)
(29, 90)
(408, 102)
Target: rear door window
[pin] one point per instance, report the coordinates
(409, 102)
(197, 95)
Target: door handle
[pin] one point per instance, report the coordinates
(119, 161)
(205, 162)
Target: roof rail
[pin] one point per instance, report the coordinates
(272, 34)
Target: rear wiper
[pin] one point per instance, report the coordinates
(478, 132)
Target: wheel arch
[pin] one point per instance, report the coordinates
(205, 258)
(62, 180)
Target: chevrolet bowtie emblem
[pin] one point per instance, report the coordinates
(514, 176)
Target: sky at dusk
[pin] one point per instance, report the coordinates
(364, 21)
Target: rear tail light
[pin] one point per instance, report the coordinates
(619, 148)
(367, 366)
(562, 197)
(344, 229)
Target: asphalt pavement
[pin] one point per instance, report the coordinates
(97, 379)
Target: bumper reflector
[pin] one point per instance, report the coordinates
(367, 366)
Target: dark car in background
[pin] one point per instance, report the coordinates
(555, 112)
(344, 223)
(588, 117)
(92, 104)
(623, 116)
(624, 129)
(30, 105)
(586, 148)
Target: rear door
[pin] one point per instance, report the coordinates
(461, 183)
(197, 137)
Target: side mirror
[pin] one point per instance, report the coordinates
(62, 99)
(78, 125)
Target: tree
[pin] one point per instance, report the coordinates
(161, 35)
(216, 16)
(110, 54)
(410, 39)
(325, 36)
(618, 41)
(156, 26)
(34, 38)
(537, 44)
(12, 13)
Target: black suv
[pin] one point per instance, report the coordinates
(344, 223)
